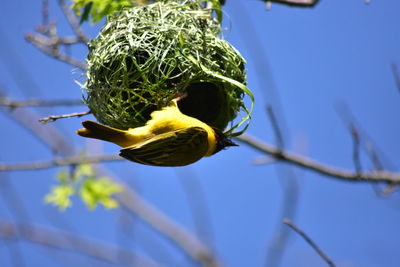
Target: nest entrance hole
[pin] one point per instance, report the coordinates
(203, 101)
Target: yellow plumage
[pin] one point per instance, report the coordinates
(169, 138)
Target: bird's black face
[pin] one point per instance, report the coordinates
(222, 141)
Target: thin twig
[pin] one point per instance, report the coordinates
(56, 117)
(45, 12)
(348, 118)
(356, 147)
(8, 102)
(55, 238)
(73, 22)
(309, 241)
(65, 161)
(275, 127)
(373, 156)
(396, 74)
(310, 164)
(345, 115)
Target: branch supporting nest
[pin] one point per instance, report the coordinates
(304, 162)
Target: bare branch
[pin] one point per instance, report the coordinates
(56, 239)
(275, 126)
(73, 22)
(196, 199)
(18, 211)
(65, 161)
(294, 3)
(45, 12)
(50, 46)
(304, 162)
(46, 134)
(178, 235)
(8, 102)
(309, 241)
(373, 156)
(264, 160)
(396, 74)
(289, 183)
(56, 117)
(356, 147)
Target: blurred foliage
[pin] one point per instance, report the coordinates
(60, 196)
(98, 9)
(99, 191)
(82, 181)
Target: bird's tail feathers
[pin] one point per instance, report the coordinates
(99, 131)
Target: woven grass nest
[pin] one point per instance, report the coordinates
(147, 55)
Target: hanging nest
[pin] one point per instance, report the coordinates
(147, 55)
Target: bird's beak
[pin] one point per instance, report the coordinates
(229, 142)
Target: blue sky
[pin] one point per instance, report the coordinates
(307, 64)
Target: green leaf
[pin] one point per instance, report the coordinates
(98, 9)
(60, 196)
(86, 12)
(92, 191)
(217, 8)
(84, 170)
(63, 176)
(99, 191)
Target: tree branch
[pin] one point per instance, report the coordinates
(301, 161)
(50, 46)
(8, 102)
(396, 74)
(45, 134)
(355, 135)
(304, 162)
(131, 201)
(197, 202)
(178, 235)
(56, 117)
(57, 239)
(73, 22)
(65, 161)
(275, 127)
(309, 241)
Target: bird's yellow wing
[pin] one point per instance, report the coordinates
(175, 148)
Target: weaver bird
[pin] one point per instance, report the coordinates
(169, 138)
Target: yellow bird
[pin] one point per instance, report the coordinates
(169, 138)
